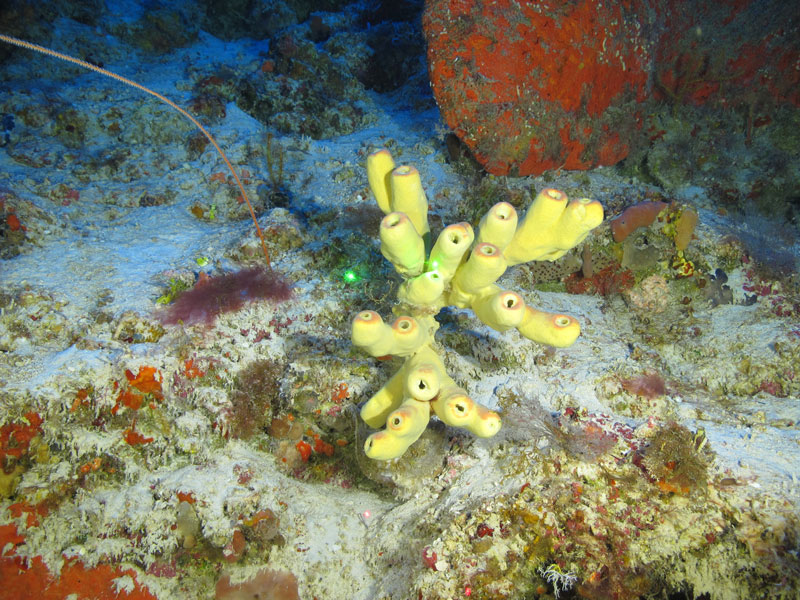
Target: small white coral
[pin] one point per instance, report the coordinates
(560, 581)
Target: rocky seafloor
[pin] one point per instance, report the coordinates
(215, 450)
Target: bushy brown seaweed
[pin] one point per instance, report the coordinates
(253, 398)
(676, 459)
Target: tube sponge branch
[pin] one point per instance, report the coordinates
(460, 270)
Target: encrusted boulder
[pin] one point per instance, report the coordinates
(530, 87)
(536, 86)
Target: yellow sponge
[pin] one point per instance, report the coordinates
(423, 290)
(552, 226)
(485, 265)
(387, 399)
(401, 245)
(549, 328)
(499, 309)
(457, 409)
(498, 225)
(449, 250)
(379, 165)
(402, 338)
(408, 197)
(461, 270)
(403, 428)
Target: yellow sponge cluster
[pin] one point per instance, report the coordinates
(460, 270)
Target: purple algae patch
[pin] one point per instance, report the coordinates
(212, 296)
